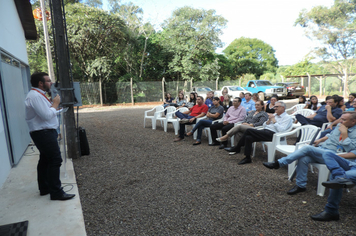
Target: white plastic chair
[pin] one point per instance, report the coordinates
(295, 108)
(271, 145)
(207, 130)
(306, 134)
(171, 110)
(155, 109)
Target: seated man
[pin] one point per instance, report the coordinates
(343, 175)
(190, 117)
(326, 113)
(215, 112)
(248, 104)
(341, 139)
(278, 122)
(234, 114)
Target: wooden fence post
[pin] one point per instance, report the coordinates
(100, 92)
(163, 80)
(132, 98)
(217, 83)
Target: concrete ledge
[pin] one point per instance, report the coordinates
(20, 200)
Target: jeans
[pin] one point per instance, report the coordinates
(182, 126)
(325, 132)
(305, 155)
(339, 168)
(48, 168)
(200, 126)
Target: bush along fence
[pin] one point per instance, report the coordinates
(137, 92)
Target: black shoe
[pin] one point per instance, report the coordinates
(246, 160)
(296, 189)
(271, 165)
(324, 216)
(43, 193)
(63, 197)
(338, 183)
(214, 144)
(196, 143)
(230, 149)
(222, 146)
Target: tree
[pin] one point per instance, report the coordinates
(335, 30)
(95, 39)
(190, 35)
(132, 15)
(251, 56)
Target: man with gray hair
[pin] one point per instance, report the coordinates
(278, 122)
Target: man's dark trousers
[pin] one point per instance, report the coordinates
(306, 121)
(251, 136)
(48, 168)
(220, 126)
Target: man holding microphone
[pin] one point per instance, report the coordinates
(41, 118)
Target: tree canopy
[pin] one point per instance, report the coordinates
(191, 35)
(251, 55)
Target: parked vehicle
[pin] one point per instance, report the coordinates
(234, 91)
(265, 89)
(201, 91)
(294, 89)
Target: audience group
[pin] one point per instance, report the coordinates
(238, 117)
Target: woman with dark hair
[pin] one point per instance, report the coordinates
(215, 112)
(342, 103)
(352, 97)
(253, 119)
(192, 100)
(180, 101)
(269, 107)
(168, 99)
(313, 103)
(302, 100)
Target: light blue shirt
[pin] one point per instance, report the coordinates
(333, 141)
(249, 106)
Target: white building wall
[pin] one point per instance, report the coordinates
(12, 41)
(12, 38)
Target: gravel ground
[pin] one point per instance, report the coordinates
(137, 181)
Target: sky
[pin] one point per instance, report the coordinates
(271, 21)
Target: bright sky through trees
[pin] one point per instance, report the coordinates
(271, 21)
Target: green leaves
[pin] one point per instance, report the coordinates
(251, 56)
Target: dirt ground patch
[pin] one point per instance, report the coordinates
(137, 181)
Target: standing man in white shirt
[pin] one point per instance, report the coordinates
(41, 118)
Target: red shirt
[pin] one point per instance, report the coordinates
(197, 110)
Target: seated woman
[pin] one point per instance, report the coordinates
(342, 103)
(215, 112)
(352, 97)
(192, 100)
(224, 92)
(168, 99)
(253, 119)
(313, 103)
(180, 101)
(255, 97)
(302, 100)
(269, 107)
(226, 103)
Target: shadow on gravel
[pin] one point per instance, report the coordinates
(137, 181)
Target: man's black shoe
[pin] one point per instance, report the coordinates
(214, 144)
(296, 189)
(63, 197)
(246, 160)
(222, 146)
(325, 216)
(338, 183)
(230, 149)
(271, 165)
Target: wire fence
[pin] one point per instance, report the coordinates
(153, 91)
